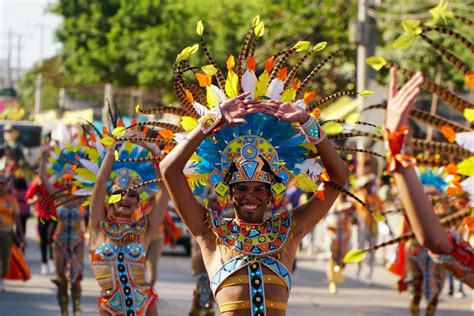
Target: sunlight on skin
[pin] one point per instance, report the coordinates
(250, 200)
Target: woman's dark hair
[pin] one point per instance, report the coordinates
(20, 184)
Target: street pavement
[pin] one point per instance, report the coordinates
(309, 295)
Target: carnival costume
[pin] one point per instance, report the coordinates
(425, 276)
(119, 268)
(245, 150)
(454, 157)
(69, 235)
(264, 149)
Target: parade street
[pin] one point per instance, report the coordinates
(309, 295)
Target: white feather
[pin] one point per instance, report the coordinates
(468, 186)
(300, 103)
(249, 80)
(83, 192)
(83, 180)
(89, 165)
(275, 88)
(189, 171)
(311, 167)
(179, 137)
(99, 147)
(215, 95)
(54, 154)
(200, 109)
(466, 140)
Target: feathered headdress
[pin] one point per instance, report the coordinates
(132, 169)
(61, 166)
(263, 149)
(127, 172)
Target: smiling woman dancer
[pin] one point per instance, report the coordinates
(120, 233)
(250, 160)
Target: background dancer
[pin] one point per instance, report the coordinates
(9, 216)
(120, 234)
(68, 239)
(339, 222)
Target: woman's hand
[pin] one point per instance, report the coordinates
(400, 102)
(44, 150)
(286, 111)
(234, 109)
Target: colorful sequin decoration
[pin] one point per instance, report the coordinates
(257, 291)
(237, 263)
(125, 285)
(261, 239)
(118, 231)
(131, 253)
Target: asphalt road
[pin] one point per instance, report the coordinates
(175, 284)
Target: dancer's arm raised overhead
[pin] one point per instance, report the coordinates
(160, 201)
(419, 210)
(193, 213)
(310, 213)
(42, 169)
(97, 210)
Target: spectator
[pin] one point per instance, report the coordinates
(35, 194)
(19, 191)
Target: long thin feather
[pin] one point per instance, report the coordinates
(315, 71)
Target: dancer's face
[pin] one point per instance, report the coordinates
(127, 205)
(250, 200)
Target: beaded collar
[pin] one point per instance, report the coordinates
(253, 239)
(121, 230)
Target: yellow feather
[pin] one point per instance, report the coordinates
(262, 85)
(304, 182)
(188, 123)
(354, 256)
(86, 174)
(196, 180)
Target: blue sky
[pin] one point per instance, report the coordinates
(27, 17)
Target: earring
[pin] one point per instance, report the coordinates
(137, 214)
(110, 214)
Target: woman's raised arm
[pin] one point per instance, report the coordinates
(97, 211)
(419, 210)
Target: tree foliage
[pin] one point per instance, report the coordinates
(134, 43)
(420, 55)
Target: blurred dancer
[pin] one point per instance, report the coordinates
(9, 217)
(339, 222)
(36, 194)
(367, 226)
(68, 239)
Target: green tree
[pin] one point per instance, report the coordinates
(134, 43)
(420, 55)
(52, 81)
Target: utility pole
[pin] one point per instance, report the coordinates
(7, 69)
(108, 98)
(366, 33)
(39, 76)
(365, 36)
(18, 62)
